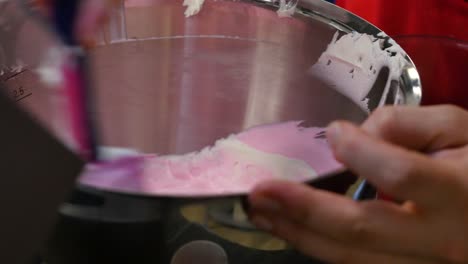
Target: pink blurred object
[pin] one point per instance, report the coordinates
(75, 98)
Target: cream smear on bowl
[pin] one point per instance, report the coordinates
(286, 7)
(351, 64)
(233, 165)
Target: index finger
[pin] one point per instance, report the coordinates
(425, 129)
(401, 173)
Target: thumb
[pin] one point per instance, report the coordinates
(93, 15)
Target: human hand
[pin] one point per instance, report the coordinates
(430, 226)
(92, 15)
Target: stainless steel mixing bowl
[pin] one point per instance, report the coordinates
(170, 85)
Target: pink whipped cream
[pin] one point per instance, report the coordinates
(233, 165)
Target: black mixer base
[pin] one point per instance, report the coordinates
(78, 241)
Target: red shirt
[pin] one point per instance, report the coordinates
(435, 35)
(447, 18)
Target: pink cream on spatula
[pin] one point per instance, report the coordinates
(233, 165)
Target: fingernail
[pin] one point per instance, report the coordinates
(334, 132)
(262, 223)
(90, 23)
(87, 43)
(263, 203)
(86, 37)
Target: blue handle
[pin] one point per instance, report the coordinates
(65, 13)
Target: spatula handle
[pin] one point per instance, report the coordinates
(64, 19)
